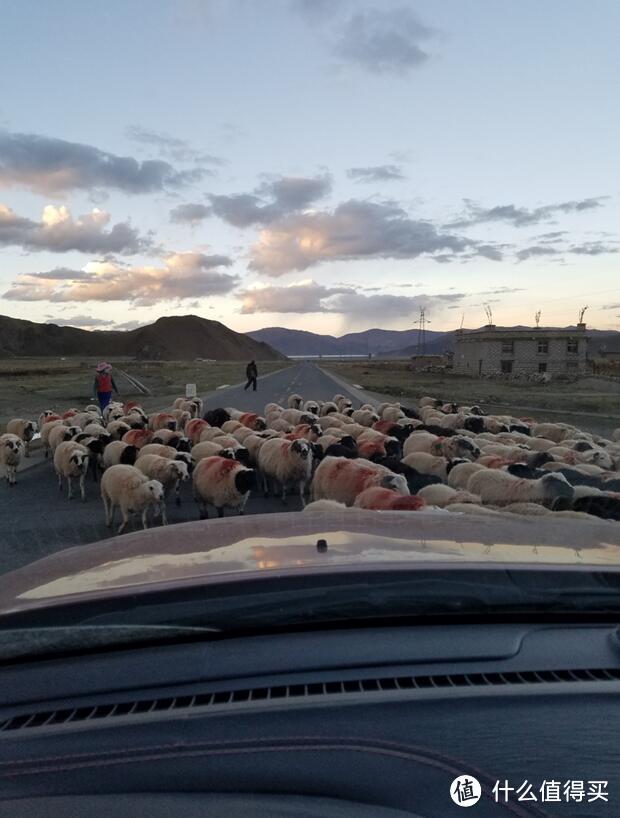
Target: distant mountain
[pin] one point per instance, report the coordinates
(389, 343)
(171, 338)
(373, 341)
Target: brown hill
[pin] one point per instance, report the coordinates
(174, 338)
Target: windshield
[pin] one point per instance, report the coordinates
(333, 284)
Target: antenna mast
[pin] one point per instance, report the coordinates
(581, 314)
(537, 318)
(489, 313)
(422, 322)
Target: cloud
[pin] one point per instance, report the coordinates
(301, 297)
(354, 230)
(183, 275)
(191, 213)
(593, 248)
(80, 321)
(58, 232)
(611, 307)
(383, 41)
(53, 166)
(521, 216)
(179, 150)
(376, 173)
(309, 296)
(536, 250)
(272, 200)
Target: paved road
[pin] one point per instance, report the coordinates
(37, 520)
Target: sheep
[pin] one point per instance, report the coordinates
(113, 410)
(223, 483)
(295, 401)
(194, 428)
(327, 407)
(330, 422)
(216, 417)
(498, 488)
(162, 420)
(616, 435)
(312, 407)
(253, 444)
(364, 417)
(212, 433)
(341, 402)
(175, 439)
(296, 416)
(308, 431)
(419, 442)
(24, 429)
(341, 479)
(380, 499)
(427, 464)
(97, 430)
(325, 505)
(117, 428)
(183, 417)
(139, 437)
(209, 448)
(46, 430)
(242, 433)
(71, 460)
(82, 419)
(132, 491)
(440, 495)
(552, 431)
(47, 416)
(170, 473)
(273, 408)
(287, 461)
(119, 452)
(280, 425)
(460, 474)
(11, 449)
(61, 433)
(428, 401)
(231, 426)
(253, 421)
(339, 450)
(392, 413)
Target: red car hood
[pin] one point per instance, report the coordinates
(216, 551)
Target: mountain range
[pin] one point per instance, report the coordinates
(389, 343)
(170, 338)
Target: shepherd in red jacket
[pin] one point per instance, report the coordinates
(104, 384)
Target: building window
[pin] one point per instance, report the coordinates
(508, 347)
(542, 367)
(506, 367)
(572, 346)
(543, 347)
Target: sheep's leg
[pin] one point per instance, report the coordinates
(106, 509)
(83, 487)
(177, 492)
(145, 521)
(59, 476)
(220, 511)
(302, 489)
(27, 447)
(284, 493)
(265, 485)
(122, 526)
(164, 516)
(70, 485)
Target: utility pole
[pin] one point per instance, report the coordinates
(422, 322)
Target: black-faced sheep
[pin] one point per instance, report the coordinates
(286, 461)
(341, 479)
(24, 429)
(223, 483)
(11, 450)
(498, 488)
(71, 462)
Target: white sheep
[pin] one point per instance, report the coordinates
(441, 495)
(325, 505)
(71, 461)
(286, 461)
(170, 473)
(61, 433)
(312, 407)
(209, 448)
(365, 417)
(11, 450)
(117, 451)
(127, 488)
(342, 479)
(427, 464)
(223, 483)
(117, 428)
(460, 474)
(499, 488)
(294, 401)
(24, 429)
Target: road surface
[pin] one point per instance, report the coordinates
(37, 520)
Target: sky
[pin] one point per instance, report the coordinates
(325, 165)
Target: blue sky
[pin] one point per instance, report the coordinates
(320, 165)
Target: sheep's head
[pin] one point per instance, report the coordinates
(79, 460)
(180, 470)
(245, 480)
(259, 425)
(185, 457)
(242, 455)
(396, 482)
(156, 491)
(13, 444)
(556, 489)
(301, 448)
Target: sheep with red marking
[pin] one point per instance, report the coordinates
(25, 431)
(223, 483)
(194, 428)
(139, 437)
(11, 450)
(253, 421)
(342, 479)
(441, 496)
(380, 499)
(127, 488)
(286, 462)
(162, 420)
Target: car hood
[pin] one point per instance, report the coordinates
(233, 548)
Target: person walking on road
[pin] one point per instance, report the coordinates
(104, 384)
(251, 373)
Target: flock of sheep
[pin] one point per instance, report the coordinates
(388, 457)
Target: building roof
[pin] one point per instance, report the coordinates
(492, 332)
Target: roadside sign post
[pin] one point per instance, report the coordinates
(190, 390)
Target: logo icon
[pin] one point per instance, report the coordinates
(465, 791)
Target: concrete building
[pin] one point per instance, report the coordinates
(524, 351)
